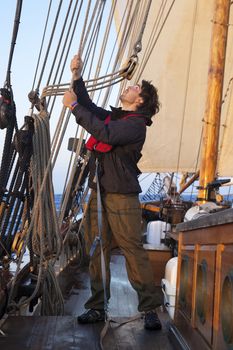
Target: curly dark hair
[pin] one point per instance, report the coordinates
(149, 94)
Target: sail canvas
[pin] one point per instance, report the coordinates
(175, 57)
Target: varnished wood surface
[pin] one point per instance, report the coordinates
(222, 217)
(63, 332)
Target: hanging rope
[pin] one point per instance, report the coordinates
(43, 232)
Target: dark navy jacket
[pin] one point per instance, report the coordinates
(118, 167)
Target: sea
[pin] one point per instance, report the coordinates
(185, 197)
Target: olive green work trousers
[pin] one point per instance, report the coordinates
(121, 217)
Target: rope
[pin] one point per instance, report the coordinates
(13, 41)
(67, 43)
(117, 76)
(138, 43)
(49, 46)
(155, 39)
(43, 228)
(187, 82)
(60, 39)
(42, 44)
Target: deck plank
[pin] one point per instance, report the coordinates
(63, 332)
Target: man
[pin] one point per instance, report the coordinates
(117, 139)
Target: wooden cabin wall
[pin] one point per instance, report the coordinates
(204, 304)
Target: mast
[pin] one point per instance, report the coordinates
(214, 97)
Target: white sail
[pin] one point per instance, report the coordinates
(178, 66)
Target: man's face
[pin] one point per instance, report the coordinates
(131, 94)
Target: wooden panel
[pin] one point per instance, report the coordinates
(192, 338)
(204, 291)
(223, 330)
(186, 282)
(211, 323)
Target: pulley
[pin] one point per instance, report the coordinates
(19, 239)
(6, 109)
(130, 67)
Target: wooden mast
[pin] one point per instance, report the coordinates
(214, 97)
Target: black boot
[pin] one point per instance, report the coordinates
(91, 316)
(152, 321)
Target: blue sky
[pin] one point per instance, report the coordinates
(26, 48)
(26, 52)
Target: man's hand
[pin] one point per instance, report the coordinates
(69, 98)
(76, 66)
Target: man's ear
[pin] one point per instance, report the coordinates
(139, 101)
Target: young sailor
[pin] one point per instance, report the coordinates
(117, 139)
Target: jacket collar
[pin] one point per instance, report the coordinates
(119, 113)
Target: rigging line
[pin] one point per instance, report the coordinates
(96, 31)
(55, 153)
(136, 26)
(123, 70)
(69, 165)
(197, 160)
(55, 146)
(85, 39)
(69, 186)
(138, 44)
(228, 115)
(80, 49)
(64, 86)
(108, 28)
(94, 38)
(227, 90)
(128, 29)
(101, 85)
(42, 43)
(145, 177)
(122, 46)
(123, 84)
(156, 22)
(49, 45)
(187, 81)
(156, 39)
(128, 25)
(152, 36)
(62, 115)
(60, 40)
(62, 68)
(62, 56)
(13, 41)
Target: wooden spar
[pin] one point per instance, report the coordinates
(190, 182)
(214, 97)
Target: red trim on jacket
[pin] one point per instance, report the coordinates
(94, 145)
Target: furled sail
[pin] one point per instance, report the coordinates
(175, 56)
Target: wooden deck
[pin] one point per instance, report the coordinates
(63, 332)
